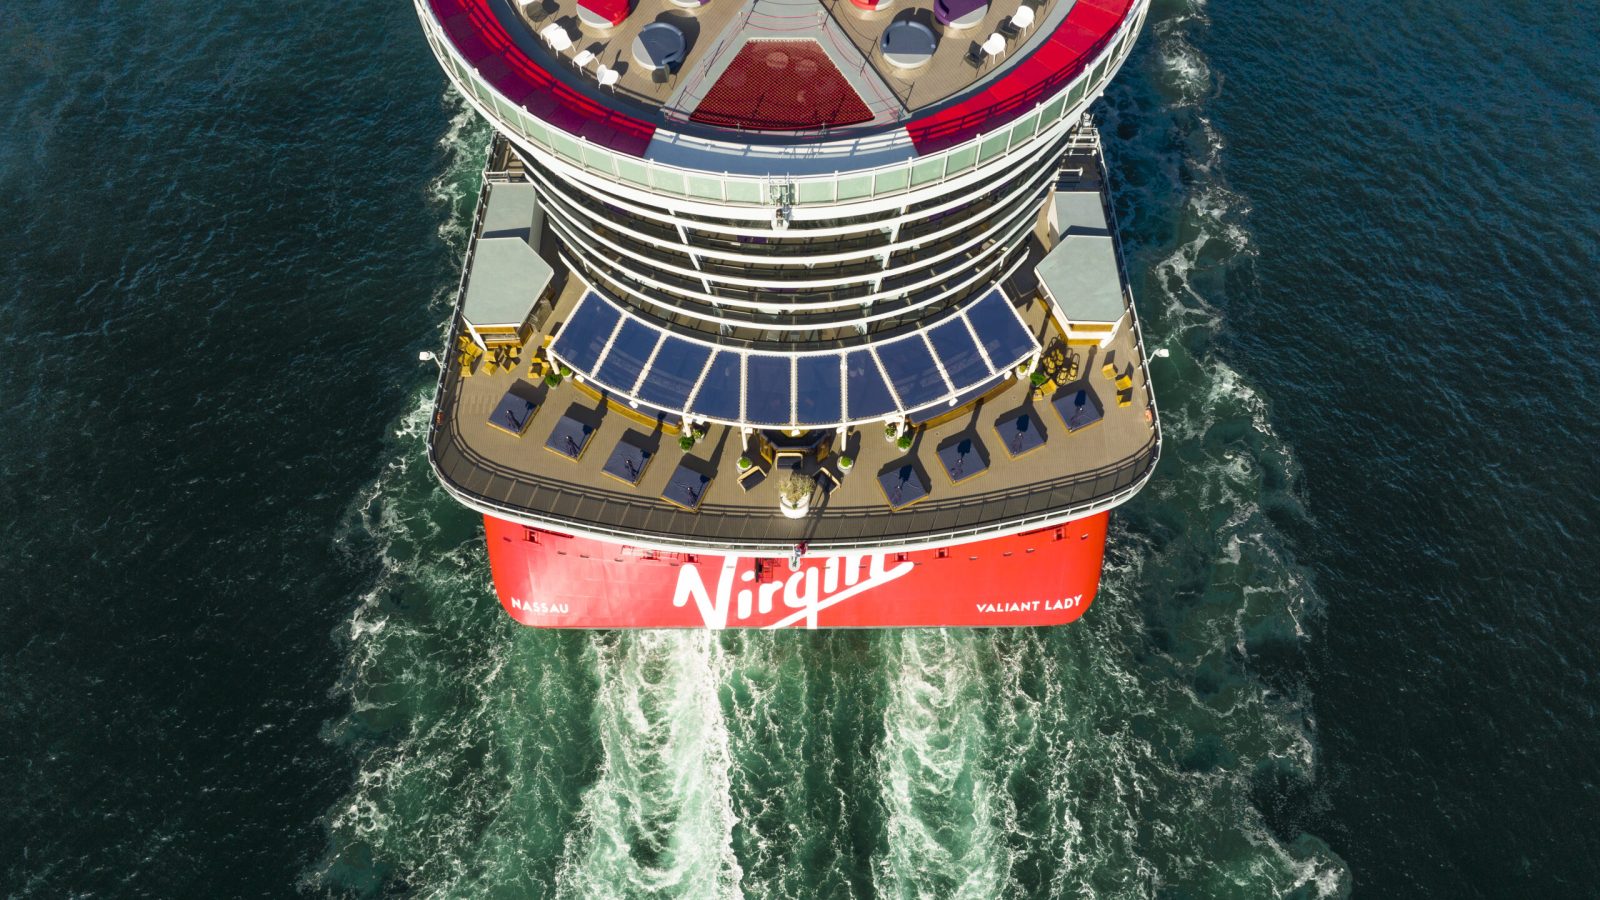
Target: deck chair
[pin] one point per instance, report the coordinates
(827, 481)
(975, 55)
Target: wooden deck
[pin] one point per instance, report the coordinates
(520, 477)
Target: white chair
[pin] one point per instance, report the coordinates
(557, 38)
(608, 77)
(994, 45)
(583, 58)
(1017, 24)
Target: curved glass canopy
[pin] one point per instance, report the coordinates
(957, 357)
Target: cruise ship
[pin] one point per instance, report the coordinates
(791, 313)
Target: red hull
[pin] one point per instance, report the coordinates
(552, 580)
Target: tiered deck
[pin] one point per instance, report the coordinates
(500, 39)
(519, 478)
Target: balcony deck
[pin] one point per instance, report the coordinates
(519, 478)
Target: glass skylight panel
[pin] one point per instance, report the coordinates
(766, 392)
(584, 336)
(630, 350)
(672, 378)
(911, 370)
(960, 356)
(865, 389)
(1004, 338)
(719, 390)
(816, 390)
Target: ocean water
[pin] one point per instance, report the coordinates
(1345, 642)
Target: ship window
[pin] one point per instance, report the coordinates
(820, 191)
(743, 190)
(890, 182)
(632, 171)
(673, 375)
(1052, 112)
(993, 146)
(1024, 129)
(671, 182)
(852, 187)
(867, 393)
(767, 398)
(1078, 88)
(816, 389)
(706, 188)
(961, 159)
(597, 158)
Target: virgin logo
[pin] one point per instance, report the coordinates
(806, 592)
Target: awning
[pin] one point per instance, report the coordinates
(950, 359)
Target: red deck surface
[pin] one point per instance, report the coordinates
(1085, 31)
(482, 41)
(781, 86)
(614, 11)
(1046, 577)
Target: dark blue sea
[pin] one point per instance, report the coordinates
(1347, 640)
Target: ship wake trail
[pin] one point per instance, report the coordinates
(658, 820)
(944, 831)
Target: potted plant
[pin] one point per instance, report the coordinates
(552, 378)
(890, 432)
(846, 463)
(745, 463)
(794, 494)
(686, 442)
(1038, 378)
(904, 443)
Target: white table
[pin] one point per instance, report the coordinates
(593, 19)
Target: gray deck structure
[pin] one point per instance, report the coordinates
(506, 275)
(1072, 474)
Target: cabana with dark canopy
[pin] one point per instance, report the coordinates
(1019, 433)
(569, 438)
(627, 461)
(903, 485)
(686, 487)
(962, 458)
(512, 414)
(1079, 406)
